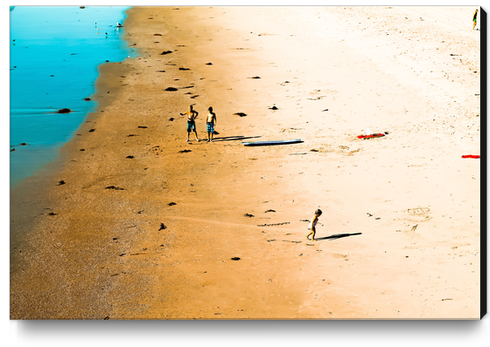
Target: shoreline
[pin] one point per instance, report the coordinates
(129, 267)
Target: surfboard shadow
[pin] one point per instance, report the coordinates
(337, 236)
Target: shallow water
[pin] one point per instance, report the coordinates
(54, 55)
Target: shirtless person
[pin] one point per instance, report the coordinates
(475, 18)
(191, 122)
(211, 122)
(312, 226)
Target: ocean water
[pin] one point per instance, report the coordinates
(54, 55)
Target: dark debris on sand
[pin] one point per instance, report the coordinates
(115, 188)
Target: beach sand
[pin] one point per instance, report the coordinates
(146, 225)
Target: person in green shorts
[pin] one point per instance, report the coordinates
(191, 122)
(211, 122)
(475, 16)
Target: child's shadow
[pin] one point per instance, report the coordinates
(336, 236)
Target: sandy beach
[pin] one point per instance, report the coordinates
(133, 222)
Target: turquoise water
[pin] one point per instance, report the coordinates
(54, 55)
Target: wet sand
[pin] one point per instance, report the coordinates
(136, 223)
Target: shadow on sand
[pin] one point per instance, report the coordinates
(336, 236)
(234, 138)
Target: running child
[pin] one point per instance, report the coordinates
(312, 226)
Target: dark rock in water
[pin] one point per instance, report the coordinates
(107, 61)
(165, 52)
(64, 110)
(61, 183)
(13, 149)
(249, 215)
(162, 227)
(171, 89)
(82, 7)
(23, 144)
(172, 204)
(235, 258)
(87, 99)
(209, 63)
(130, 157)
(241, 114)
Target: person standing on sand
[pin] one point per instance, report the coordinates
(210, 123)
(191, 122)
(475, 16)
(312, 226)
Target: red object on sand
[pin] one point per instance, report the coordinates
(470, 156)
(370, 136)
